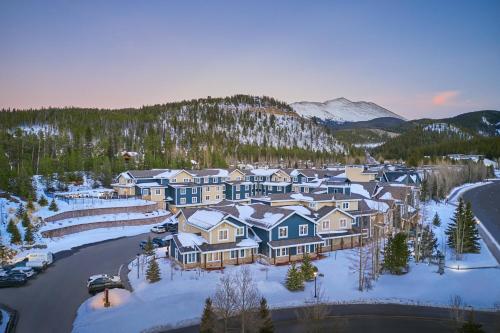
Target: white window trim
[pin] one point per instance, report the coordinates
(238, 233)
(231, 254)
(157, 191)
(197, 180)
(301, 247)
(183, 190)
(183, 201)
(227, 234)
(194, 190)
(282, 252)
(327, 223)
(237, 196)
(279, 232)
(195, 200)
(306, 229)
(207, 188)
(212, 255)
(190, 258)
(345, 205)
(207, 197)
(242, 253)
(343, 223)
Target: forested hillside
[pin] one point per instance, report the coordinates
(212, 132)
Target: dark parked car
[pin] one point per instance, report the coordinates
(142, 244)
(160, 242)
(97, 285)
(12, 281)
(171, 227)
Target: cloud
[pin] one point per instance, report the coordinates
(444, 97)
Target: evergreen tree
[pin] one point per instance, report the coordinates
(149, 248)
(28, 235)
(266, 322)
(470, 326)
(3, 254)
(396, 254)
(463, 235)
(43, 201)
(20, 211)
(208, 322)
(30, 205)
(471, 233)
(15, 236)
(53, 206)
(456, 227)
(294, 278)
(436, 221)
(307, 268)
(153, 271)
(428, 244)
(26, 220)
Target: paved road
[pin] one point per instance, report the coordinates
(485, 202)
(383, 318)
(49, 302)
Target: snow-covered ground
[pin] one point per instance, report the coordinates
(180, 301)
(3, 322)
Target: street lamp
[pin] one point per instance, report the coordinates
(138, 255)
(315, 288)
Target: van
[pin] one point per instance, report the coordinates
(39, 260)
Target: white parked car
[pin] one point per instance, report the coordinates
(28, 271)
(39, 260)
(158, 229)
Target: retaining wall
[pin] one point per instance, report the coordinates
(101, 211)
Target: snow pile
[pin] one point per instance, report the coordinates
(377, 205)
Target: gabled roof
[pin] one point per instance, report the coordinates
(208, 218)
(327, 210)
(209, 173)
(145, 173)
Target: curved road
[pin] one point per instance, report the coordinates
(48, 303)
(485, 202)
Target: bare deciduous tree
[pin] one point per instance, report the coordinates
(247, 296)
(224, 300)
(359, 263)
(457, 308)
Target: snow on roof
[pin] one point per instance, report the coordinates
(340, 175)
(275, 183)
(152, 184)
(269, 219)
(298, 209)
(247, 242)
(245, 211)
(263, 172)
(359, 189)
(377, 205)
(168, 173)
(387, 196)
(190, 240)
(300, 196)
(206, 219)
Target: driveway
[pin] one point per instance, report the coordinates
(49, 302)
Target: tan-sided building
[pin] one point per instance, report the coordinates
(358, 173)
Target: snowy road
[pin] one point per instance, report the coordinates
(49, 302)
(486, 206)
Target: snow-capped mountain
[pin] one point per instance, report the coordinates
(342, 110)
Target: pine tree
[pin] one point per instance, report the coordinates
(428, 244)
(15, 236)
(43, 201)
(53, 206)
(396, 254)
(28, 235)
(436, 221)
(455, 228)
(30, 205)
(3, 254)
(149, 249)
(20, 211)
(307, 268)
(471, 233)
(26, 220)
(463, 235)
(266, 322)
(207, 324)
(153, 271)
(294, 279)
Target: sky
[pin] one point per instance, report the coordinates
(425, 58)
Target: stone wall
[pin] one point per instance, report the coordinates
(96, 225)
(101, 211)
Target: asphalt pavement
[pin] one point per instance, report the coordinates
(48, 303)
(485, 202)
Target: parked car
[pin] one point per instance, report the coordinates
(39, 260)
(98, 276)
(28, 271)
(171, 227)
(160, 242)
(158, 229)
(142, 244)
(98, 285)
(15, 280)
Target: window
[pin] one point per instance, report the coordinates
(173, 180)
(326, 225)
(242, 253)
(242, 187)
(197, 180)
(145, 191)
(300, 249)
(217, 197)
(244, 195)
(295, 179)
(183, 201)
(343, 223)
(190, 258)
(312, 205)
(223, 234)
(214, 180)
(157, 191)
(218, 189)
(207, 188)
(183, 191)
(327, 242)
(233, 254)
(238, 178)
(247, 187)
(186, 180)
(240, 231)
(247, 178)
(194, 190)
(207, 197)
(345, 205)
(282, 232)
(195, 200)
(237, 196)
(269, 188)
(303, 230)
(306, 189)
(282, 252)
(213, 256)
(205, 180)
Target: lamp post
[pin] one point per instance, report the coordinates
(315, 289)
(138, 265)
